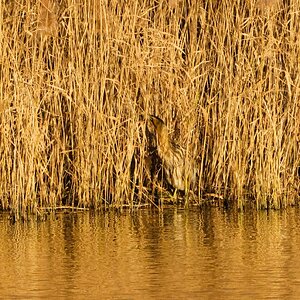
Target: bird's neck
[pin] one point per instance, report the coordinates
(164, 142)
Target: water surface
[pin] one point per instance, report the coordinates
(177, 254)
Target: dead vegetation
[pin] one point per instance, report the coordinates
(78, 79)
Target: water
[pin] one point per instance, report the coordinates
(178, 254)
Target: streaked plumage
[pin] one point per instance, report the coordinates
(177, 168)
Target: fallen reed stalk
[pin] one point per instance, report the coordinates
(79, 78)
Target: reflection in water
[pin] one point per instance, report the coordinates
(201, 253)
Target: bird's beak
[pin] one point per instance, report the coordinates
(151, 118)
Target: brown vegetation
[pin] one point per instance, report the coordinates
(79, 77)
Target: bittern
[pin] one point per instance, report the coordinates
(177, 168)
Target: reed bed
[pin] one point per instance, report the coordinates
(79, 78)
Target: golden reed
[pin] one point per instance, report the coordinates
(78, 79)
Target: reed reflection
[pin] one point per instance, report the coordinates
(175, 253)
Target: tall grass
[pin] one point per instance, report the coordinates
(78, 79)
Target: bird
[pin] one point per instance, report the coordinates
(177, 168)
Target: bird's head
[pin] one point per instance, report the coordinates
(157, 122)
(160, 127)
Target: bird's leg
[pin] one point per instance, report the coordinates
(175, 194)
(174, 197)
(186, 198)
(186, 193)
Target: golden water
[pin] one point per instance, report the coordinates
(177, 254)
